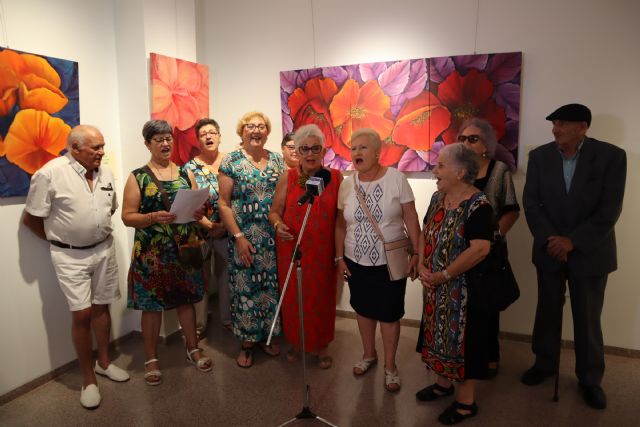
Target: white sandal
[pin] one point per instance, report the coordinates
(155, 373)
(391, 378)
(364, 365)
(200, 364)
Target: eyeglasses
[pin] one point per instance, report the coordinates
(210, 132)
(290, 147)
(305, 149)
(471, 138)
(160, 140)
(252, 126)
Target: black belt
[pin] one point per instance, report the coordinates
(65, 246)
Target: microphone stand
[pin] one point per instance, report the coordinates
(296, 258)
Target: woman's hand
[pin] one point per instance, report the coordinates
(245, 251)
(430, 279)
(163, 217)
(413, 267)
(343, 270)
(199, 213)
(283, 231)
(216, 231)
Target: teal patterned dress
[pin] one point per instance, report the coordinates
(156, 280)
(254, 289)
(206, 179)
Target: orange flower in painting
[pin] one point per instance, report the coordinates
(420, 121)
(357, 107)
(34, 138)
(311, 105)
(30, 80)
(180, 91)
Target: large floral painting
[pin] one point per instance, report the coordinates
(180, 95)
(415, 105)
(38, 107)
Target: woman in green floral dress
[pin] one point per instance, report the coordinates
(157, 281)
(247, 180)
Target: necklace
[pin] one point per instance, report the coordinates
(251, 159)
(366, 190)
(453, 202)
(159, 175)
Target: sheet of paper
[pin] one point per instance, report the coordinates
(186, 203)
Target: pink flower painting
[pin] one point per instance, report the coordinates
(417, 105)
(180, 95)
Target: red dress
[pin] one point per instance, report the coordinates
(318, 269)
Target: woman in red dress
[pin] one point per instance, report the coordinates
(317, 247)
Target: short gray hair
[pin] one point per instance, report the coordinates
(464, 158)
(155, 127)
(373, 136)
(308, 131)
(488, 133)
(80, 134)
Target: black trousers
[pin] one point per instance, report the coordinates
(586, 296)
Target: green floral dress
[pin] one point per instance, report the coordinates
(157, 280)
(254, 290)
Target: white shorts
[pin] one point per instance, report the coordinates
(87, 276)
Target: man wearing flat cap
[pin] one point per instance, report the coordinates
(572, 200)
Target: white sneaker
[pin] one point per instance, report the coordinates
(90, 396)
(112, 372)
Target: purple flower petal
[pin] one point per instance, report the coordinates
(353, 71)
(464, 62)
(306, 75)
(440, 68)
(288, 80)
(337, 74)
(431, 156)
(334, 161)
(284, 102)
(372, 71)
(508, 96)
(394, 79)
(287, 124)
(504, 67)
(411, 162)
(396, 104)
(417, 78)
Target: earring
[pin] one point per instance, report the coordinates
(484, 155)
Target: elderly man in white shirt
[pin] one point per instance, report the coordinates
(70, 204)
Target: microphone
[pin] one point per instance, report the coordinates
(315, 186)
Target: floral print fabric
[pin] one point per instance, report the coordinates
(157, 280)
(254, 289)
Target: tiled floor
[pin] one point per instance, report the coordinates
(271, 392)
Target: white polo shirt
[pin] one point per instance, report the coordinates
(73, 214)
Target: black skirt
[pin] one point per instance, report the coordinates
(373, 294)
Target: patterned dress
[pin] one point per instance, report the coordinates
(205, 178)
(446, 320)
(254, 289)
(318, 268)
(157, 280)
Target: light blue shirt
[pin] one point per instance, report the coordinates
(569, 167)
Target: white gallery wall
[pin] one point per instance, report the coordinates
(573, 51)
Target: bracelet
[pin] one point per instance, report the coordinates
(150, 218)
(336, 259)
(237, 236)
(446, 274)
(275, 226)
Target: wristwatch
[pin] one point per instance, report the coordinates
(237, 236)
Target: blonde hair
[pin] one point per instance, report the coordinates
(250, 115)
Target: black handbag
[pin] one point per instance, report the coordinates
(492, 284)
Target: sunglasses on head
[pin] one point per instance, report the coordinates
(471, 138)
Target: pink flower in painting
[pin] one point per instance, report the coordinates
(470, 96)
(180, 91)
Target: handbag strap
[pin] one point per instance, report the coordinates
(366, 210)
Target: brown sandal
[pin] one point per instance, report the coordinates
(325, 362)
(247, 352)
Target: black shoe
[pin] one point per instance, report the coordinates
(534, 376)
(451, 415)
(433, 392)
(594, 396)
(492, 372)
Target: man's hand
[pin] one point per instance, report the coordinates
(559, 247)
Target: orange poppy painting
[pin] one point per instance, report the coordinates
(180, 95)
(39, 104)
(416, 106)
